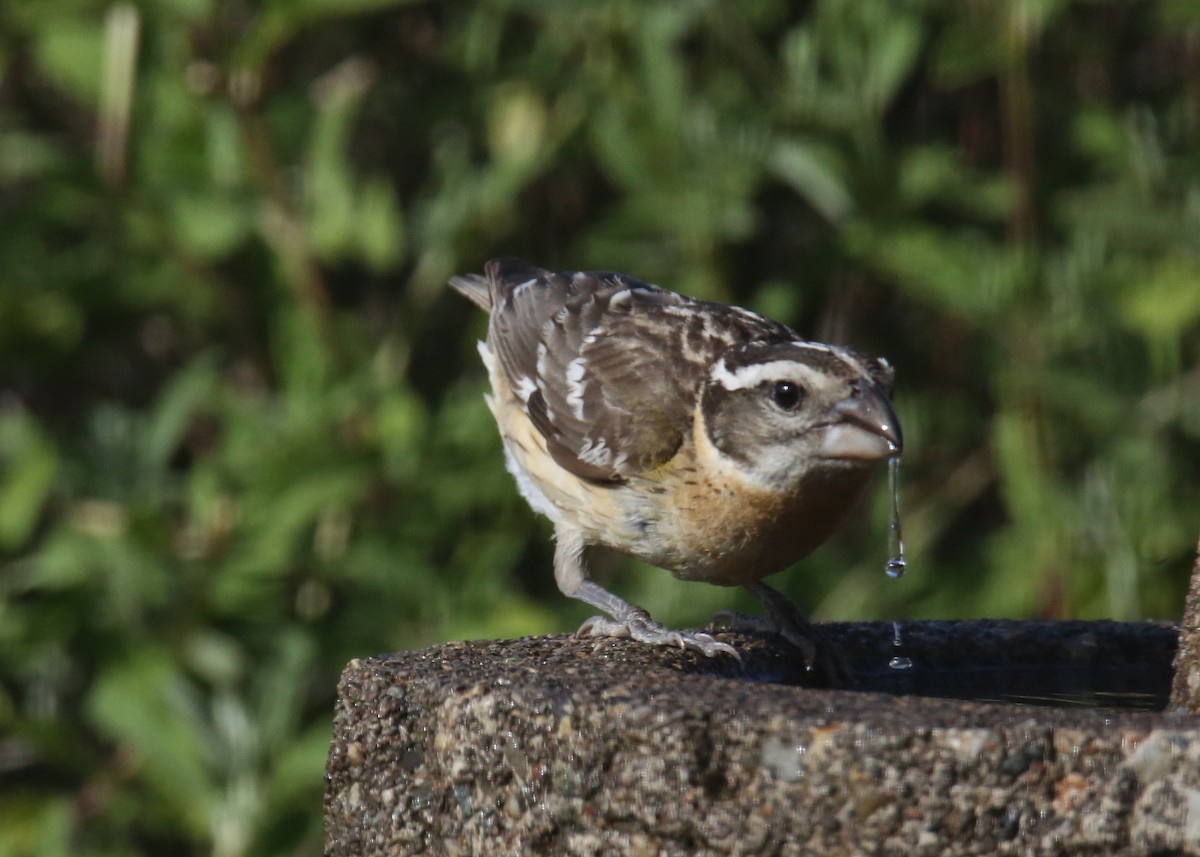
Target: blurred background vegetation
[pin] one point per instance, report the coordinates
(242, 438)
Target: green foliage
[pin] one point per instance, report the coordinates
(242, 438)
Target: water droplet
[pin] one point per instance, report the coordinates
(899, 662)
(896, 564)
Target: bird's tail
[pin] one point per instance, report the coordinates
(475, 288)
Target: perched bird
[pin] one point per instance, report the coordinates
(698, 437)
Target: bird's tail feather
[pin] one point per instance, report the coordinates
(475, 288)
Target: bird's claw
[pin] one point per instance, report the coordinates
(639, 626)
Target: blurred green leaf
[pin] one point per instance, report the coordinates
(35, 825)
(380, 226)
(964, 273)
(71, 53)
(29, 464)
(147, 705)
(892, 58)
(210, 225)
(815, 174)
(1167, 304)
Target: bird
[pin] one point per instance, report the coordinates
(699, 437)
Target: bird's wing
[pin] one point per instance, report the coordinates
(607, 367)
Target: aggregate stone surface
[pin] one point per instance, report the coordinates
(556, 745)
(1185, 690)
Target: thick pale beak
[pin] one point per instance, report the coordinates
(866, 429)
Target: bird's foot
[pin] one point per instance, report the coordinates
(796, 633)
(637, 625)
(820, 656)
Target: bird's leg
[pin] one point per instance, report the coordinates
(570, 572)
(786, 619)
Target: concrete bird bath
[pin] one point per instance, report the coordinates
(1002, 738)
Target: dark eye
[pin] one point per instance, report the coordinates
(786, 395)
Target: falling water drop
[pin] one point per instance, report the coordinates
(896, 563)
(899, 661)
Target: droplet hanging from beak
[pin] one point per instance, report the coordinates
(896, 564)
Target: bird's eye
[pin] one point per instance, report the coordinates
(786, 395)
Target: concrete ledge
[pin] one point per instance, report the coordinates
(1185, 690)
(560, 746)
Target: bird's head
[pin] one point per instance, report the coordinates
(785, 411)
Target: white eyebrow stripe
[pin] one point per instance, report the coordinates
(775, 370)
